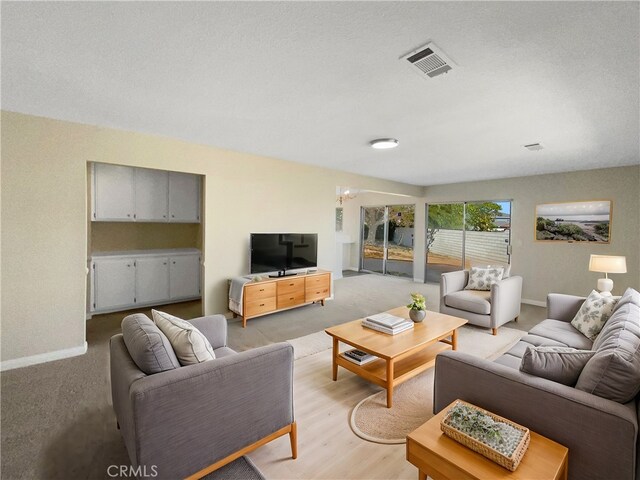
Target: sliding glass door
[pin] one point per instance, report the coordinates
(463, 234)
(387, 240)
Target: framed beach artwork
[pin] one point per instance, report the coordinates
(574, 222)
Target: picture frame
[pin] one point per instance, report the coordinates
(574, 222)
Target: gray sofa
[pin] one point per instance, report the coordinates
(188, 418)
(489, 309)
(601, 434)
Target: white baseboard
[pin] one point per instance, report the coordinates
(537, 303)
(43, 358)
(418, 280)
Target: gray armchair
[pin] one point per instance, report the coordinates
(489, 309)
(194, 419)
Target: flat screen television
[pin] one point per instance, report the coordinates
(279, 252)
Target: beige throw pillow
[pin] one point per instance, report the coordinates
(189, 344)
(482, 278)
(593, 314)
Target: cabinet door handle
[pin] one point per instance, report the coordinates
(291, 284)
(291, 298)
(262, 304)
(262, 289)
(164, 263)
(128, 264)
(174, 263)
(173, 216)
(128, 214)
(164, 216)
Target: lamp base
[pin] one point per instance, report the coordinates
(605, 285)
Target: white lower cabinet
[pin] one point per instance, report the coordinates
(114, 283)
(124, 280)
(183, 282)
(152, 279)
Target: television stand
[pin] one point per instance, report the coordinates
(283, 293)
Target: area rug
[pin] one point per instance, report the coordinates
(240, 469)
(413, 400)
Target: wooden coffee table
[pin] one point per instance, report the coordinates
(441, 457)
(401, 356)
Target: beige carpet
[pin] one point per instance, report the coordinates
(413, 400)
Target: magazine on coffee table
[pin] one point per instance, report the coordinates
(358, 356)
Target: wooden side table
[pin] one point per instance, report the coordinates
(442, 458)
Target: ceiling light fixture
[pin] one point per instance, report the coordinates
(384, 143)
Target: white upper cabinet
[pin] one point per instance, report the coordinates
(152, 195)
(128, 194)
(113, 193)
(184, 197)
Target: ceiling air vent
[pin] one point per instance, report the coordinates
(533, 147)
(429, 61)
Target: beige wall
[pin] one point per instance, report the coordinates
(562, 267)
(109, 236)
(44, 211)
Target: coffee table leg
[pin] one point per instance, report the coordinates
(389, 383)
(454, 340)
(422, 475)
(335, 359)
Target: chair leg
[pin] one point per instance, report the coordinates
(293, 437)
(117, 425)
(516, 319)
(494, 331)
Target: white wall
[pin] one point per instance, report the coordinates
(44, 211)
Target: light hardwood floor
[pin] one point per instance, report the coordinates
(327, 448)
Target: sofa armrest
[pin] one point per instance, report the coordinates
(214, 327)
(563, 307)
(506, 298)
(595, 430)
(453, 282)
(191, 417)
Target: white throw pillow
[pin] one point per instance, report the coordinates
(593, 314)
(481, 278)
(189, 344)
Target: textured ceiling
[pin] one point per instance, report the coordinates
(314, 82)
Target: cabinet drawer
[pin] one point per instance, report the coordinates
(318, 281)
(295, 285)
(291, 299)
(320, 293)
(260, 291)
(257, 307)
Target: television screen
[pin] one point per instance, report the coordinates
(271, 252)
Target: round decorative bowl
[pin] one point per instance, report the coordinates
(417, 315)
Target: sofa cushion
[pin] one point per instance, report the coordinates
(222, 352)
(558, 364)
(614, 371)
(506, 268)
(629, 296)
(476, 301)
(148, 346)
(481, 278)
(190, 345)
(561, 332)
(593, 314)
(509, 360)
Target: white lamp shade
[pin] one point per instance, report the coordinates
(608, 264)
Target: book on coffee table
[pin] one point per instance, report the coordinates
(386, 320)
(401, 327)
(358, 356)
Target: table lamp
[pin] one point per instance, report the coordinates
(607, 264)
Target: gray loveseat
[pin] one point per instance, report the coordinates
(601, 434)
(182, 420)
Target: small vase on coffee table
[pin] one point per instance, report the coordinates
(417, 315)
